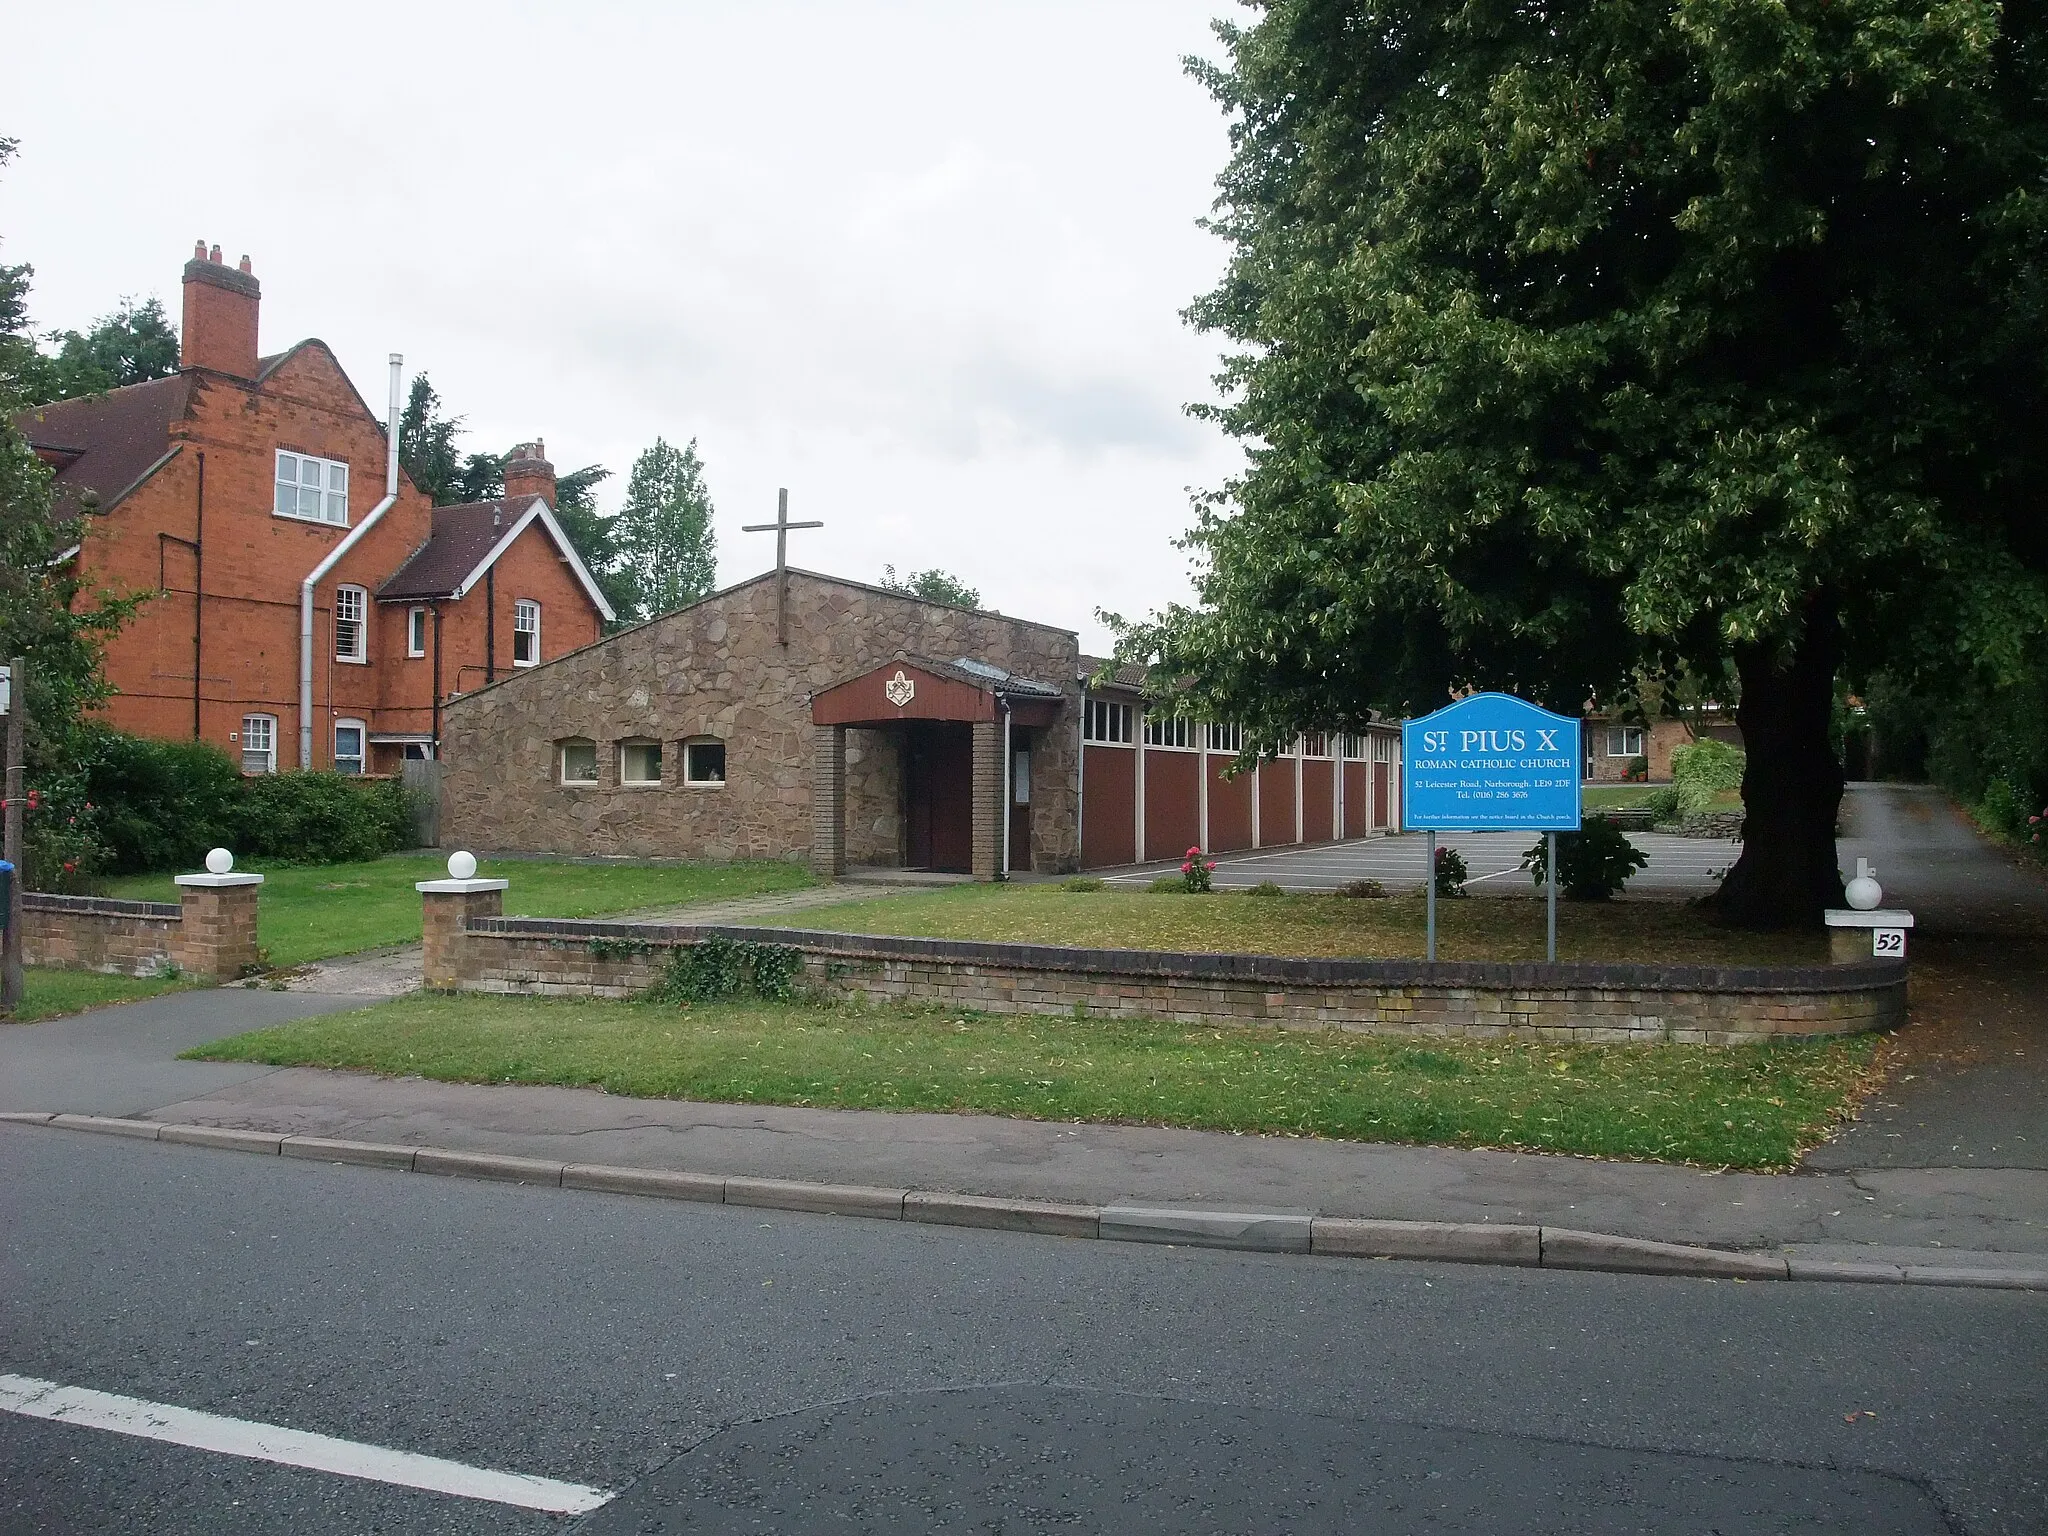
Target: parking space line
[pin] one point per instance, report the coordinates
(145, 1420)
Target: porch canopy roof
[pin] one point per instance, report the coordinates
(918, 688)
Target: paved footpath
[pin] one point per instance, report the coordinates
(1930, 1169)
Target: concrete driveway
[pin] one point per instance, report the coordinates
(1679, 867)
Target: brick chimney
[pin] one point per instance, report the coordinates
(530, 474)
(220, 315)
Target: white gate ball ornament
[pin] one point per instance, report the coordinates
(219, 861)
(1864, 892)
(461, 866)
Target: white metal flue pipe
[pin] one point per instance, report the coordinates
(334, 558)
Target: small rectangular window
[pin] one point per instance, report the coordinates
(640, 762)
(1625, 741)
(1315, 744)
(1172, 731)
(348, 746)
(579, 762)
(1103, 720)
(259, 744)
(1226, 738)
(351, 629)
(525, 633)
(1020, 776)
(311, 490)
(1382, 748)
(416, 632)
(704, 762)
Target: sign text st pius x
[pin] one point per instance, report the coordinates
(1492, 761)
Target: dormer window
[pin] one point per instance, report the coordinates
(312, 490)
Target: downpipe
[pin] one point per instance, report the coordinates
(333, 559)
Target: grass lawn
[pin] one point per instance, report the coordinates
(1607, 797)
(310, 912)
(1479, 928)
(50, 994)
(1744, 1106)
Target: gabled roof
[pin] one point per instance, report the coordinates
(465, 541)
(109, 443)
(1129, 674)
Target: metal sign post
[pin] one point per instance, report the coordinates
(1429, 882)
(1492, 762)
(11, 980)
(1550, 894)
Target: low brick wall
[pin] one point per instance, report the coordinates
(1563, 1001)
(92, 933)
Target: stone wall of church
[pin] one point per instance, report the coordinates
(874, 797)
(714, 671)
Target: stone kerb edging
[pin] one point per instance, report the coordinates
(1450, 1242)
(1561, 1000)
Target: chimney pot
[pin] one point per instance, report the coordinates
(214, 255)
(245, 261)
(199, 250)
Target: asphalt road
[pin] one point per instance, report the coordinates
(740, 1370)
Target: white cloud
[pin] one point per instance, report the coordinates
(921, 263)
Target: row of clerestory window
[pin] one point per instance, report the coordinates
(642, 763)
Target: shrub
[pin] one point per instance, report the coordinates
(1169, 885)
(1637, 771)
(1593, 863)
(1269, 888)
(310, 817)
(162, 804)
(1195, 872)
(1701, 770)
(1450, 872)
(1662, 804)
(1081, 883)
(2004, 812)
(717, 968)
(1362, 889)
(62, 852)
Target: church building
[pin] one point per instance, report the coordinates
(806, 717)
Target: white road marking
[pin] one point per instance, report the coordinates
(289, 1447)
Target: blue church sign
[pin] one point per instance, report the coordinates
(1488, 761)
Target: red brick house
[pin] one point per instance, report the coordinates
(311, 608)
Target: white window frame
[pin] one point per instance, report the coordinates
(526, 621)
(362, 758)
(562, 762)
(689, 768)
(1106, 722)
(1624, 732)
(1223, 737)
(1171, 733)
(1382, 747)
(639, 743)
(352, 607)
(415, 631)
(327, 488)
(264, 726)
(1314, 744)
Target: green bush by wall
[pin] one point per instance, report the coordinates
(1701, 770)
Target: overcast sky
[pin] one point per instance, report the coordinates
(921, 263)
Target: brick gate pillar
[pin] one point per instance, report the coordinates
(989, 807)
(828, 801)
(217, 922)
(446, 908)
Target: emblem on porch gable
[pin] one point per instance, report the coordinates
(899, 690)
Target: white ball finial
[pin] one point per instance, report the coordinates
(1864, 893)
(461, 866)
(219, 861)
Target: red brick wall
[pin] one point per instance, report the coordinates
(255, 560)
(1276, 803)
(1230, 807)
(1173, 810)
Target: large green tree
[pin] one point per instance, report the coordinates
(1580, 339)
(45, 615)
(133, 344)
(665, 528)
